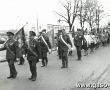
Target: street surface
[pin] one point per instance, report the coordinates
(94, 68)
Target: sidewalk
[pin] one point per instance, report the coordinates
(53, 77)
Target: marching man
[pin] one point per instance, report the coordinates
(33, 53)
(10, 46)
(65, 43)
(45, 47)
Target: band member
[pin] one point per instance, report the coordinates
(79, 38)
(33, 53)
(45, 47)
(65, 44)
(10, 47)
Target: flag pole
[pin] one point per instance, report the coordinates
(16, 32)
(23, 26)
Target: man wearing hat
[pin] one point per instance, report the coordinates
(78, 41)
(45, 47)
(10, 46)
(33, 54)
(64, 42)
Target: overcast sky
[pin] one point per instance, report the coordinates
(15, 13)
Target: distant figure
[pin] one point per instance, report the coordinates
(79, 38)
(86, 43)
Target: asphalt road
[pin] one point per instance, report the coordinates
(93, 68)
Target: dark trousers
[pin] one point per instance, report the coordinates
(64, 57)
(92, 47)
(44, 58)
(78, 48)
(59, 53)
(22, 60)
(11, 65)
(33, 67)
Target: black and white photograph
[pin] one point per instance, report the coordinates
(54, 45)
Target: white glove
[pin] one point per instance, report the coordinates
(40, 60)
(72, 49)
(23, 56)
(50, 50)
(57, 48)
(17, 59)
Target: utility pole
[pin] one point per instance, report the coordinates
(37, 26)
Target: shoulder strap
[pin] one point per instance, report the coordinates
(45, 42)
(64, 42)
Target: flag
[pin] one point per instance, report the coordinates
(50, 34)
(20, 37)
(21, 41)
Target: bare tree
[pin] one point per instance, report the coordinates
(82, 13)
(90, 6)
(70, 14)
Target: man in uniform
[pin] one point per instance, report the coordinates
(45, 47)
(79, 38)
(33, 54)
(58, 45)
(10, 46)
(64, 41)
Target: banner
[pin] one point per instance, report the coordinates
(20, 38)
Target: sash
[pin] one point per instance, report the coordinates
(69, 47)
(45, 42)
(9, 49)
(32, 50)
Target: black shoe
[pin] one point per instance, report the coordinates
(62, 67)
(30, 78)
(33, 79)
(43, 66)
(20, 64)
(9, 77)
(14, 76)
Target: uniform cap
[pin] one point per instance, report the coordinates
(32, 33)
(59, 30)
(44, 30)
(10, 33)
